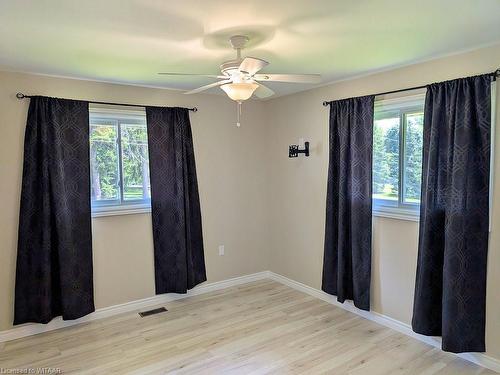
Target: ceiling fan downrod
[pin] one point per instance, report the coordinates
(238, 42)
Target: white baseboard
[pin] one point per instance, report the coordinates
(477, 358)
(57, 323)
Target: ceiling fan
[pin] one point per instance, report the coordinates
(240, 77)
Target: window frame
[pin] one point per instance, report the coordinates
(118, 116)
(399, 209)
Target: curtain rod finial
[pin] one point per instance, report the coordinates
(325, 104)
(20, 95)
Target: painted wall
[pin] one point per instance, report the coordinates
(230, 175)
(297, 191)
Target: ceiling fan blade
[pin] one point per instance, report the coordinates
(192, 75)
(263, 92)
(206, 87)
(252, 65)
(293, 78)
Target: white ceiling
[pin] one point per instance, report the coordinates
(129, 41)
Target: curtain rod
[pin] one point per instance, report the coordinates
(492, 74)
(20, 95)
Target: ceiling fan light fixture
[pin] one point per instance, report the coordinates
(240, 91)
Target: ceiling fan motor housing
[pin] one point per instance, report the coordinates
(231, 69)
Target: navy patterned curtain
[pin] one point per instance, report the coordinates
(177, 232)
(348, 232)
(450, 289)
(54, 255)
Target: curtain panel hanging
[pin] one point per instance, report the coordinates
(177, 231)
(348, 232)
(54, 256)
(450, 288)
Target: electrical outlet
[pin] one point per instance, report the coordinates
(221, 250)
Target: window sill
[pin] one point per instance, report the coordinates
(120, 210)
(397, 213)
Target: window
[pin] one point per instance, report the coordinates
(397, 156)
(119, 163)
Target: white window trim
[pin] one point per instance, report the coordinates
(492, 148)
(396, 213)
(115, 210)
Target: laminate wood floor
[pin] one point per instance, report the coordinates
(257, 328)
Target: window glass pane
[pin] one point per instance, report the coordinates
(135, 162)
(386, 156)
(414, 123)
(104, 163)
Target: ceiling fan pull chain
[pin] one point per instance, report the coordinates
(238, 114)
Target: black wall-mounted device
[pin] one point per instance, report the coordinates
(294, 151)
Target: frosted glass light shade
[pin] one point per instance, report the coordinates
(239, 91)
